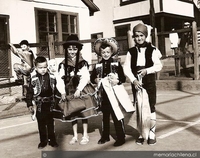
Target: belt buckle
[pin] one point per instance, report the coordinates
(45, 99)
(38, 99)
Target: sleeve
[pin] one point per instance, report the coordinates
(127, 68)
(60, 82)
(29, 95)
(157, 66)
(84, 77)
(93, 75)
(122, 77)
(14, 49)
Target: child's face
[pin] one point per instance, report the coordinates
(52, 65)
(106, 53)
(24, 47)
(139, 38)
(41, 68)
(72, 51)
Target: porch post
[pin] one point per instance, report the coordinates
(51, 53)
(196, 51)
(130, 39)
(152, 21)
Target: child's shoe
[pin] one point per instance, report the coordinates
(84, 140)
(73, 141)
(41, 145)
(140, 141)
(151, 141)
(53, 144)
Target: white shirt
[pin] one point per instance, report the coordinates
(174, 39)
(84, 79)
(157, 65)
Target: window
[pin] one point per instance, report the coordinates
(46, 25)
(55, 23)
(121, 32)
(96, 36)
(69, 25)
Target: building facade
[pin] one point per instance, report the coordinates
(116, 17)
(34, 20)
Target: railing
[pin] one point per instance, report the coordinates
(188, 58)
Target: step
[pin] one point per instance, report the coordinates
(183, 85)
(178, 84)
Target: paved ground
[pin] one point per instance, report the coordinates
(178, 129)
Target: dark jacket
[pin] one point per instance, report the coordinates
(40, 85)
(108, 66)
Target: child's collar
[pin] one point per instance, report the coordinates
(109, 60)
(145, 44)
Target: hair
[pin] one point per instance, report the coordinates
(24, 42)
(73, 44)
(104, 45)
(40, 59)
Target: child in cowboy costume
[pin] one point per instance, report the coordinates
(107, 74)
(144, 60)
(41, 92)
(73, 80)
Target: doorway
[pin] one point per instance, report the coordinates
(4, 53)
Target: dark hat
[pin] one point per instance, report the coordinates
(73, 40)
(24, 42)
(140, 28)
(108, 41)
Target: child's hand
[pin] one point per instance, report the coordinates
(31, 110)
(63, 97)
(142, 72)
(97, 80)
(137, 84)
(113, 79)
(77, 94)
(114, 82)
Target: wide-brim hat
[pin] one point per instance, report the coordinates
(109, 41)
(72, 40)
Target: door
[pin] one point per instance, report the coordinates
(4, 54)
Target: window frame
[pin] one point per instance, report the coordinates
(58, 47)
(120, 39)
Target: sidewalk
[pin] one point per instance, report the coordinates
(12, 105)
(178, 128)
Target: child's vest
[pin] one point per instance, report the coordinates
(37, 86)
(113, 68)
(148, 58)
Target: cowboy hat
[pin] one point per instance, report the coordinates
(73, 40)
(109, 41)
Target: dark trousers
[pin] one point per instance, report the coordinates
(150, 85)
(45, 125)
(119, 124)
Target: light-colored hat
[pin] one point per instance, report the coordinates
(140, 28)
(109, 41)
